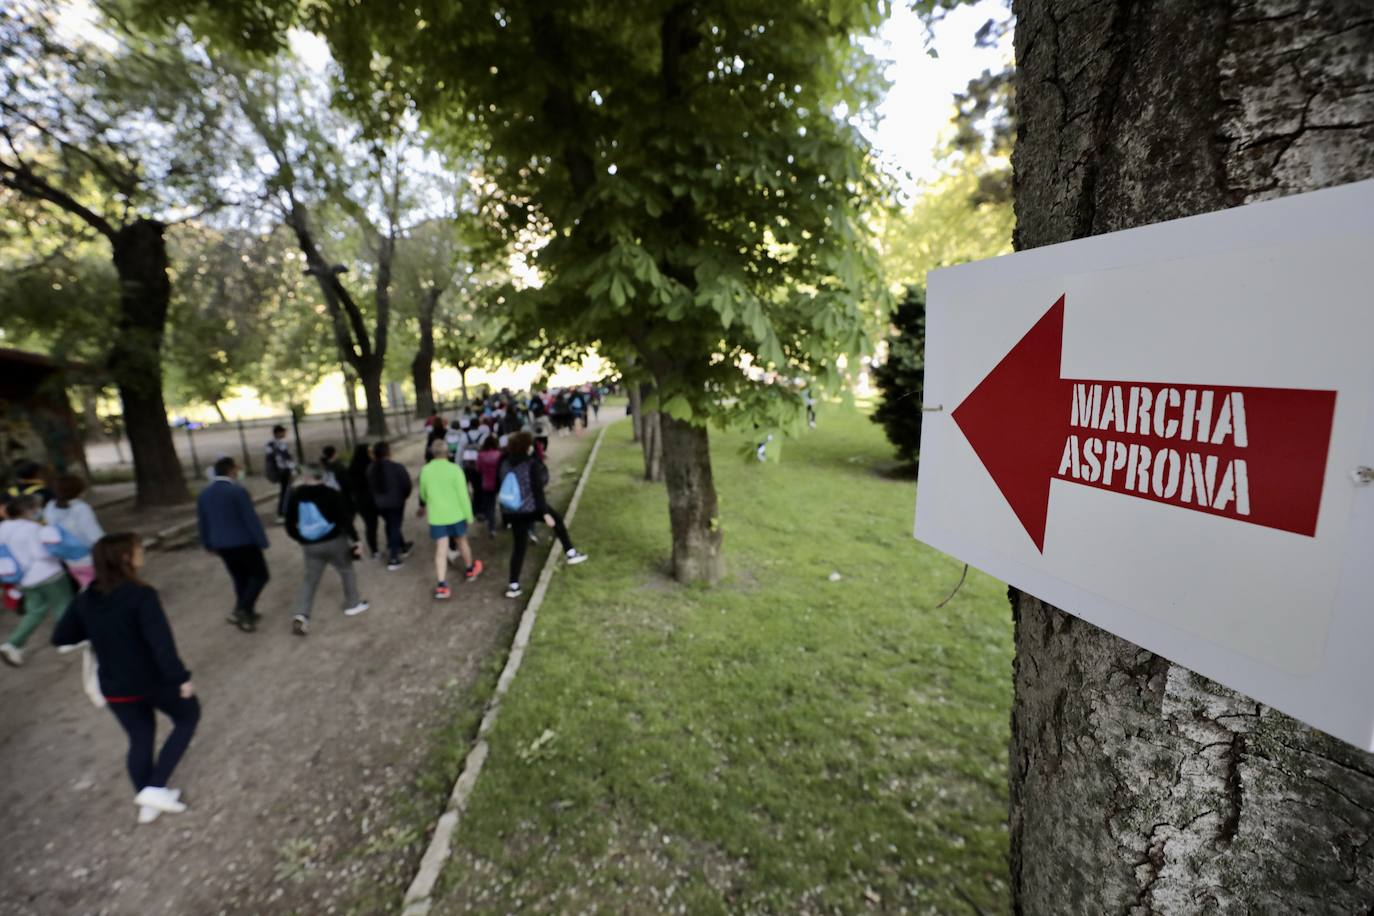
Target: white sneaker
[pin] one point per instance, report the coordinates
(356, 609)
(12, 655)
(574, 558)
(453, 555)
(513, 590)
(300, 625)
(161, 799)
(63, 650)
(147, 814)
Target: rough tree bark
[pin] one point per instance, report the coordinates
(692, 509)
(650, 436)
(135, 360)
(1138, 786)
(636, 413)
(422, 366)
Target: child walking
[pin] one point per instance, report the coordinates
(532, 476)
(444, 496)
(488, 467)
(77, 517)
(43, 581)
(140, 672)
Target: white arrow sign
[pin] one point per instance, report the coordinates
(1160, 431)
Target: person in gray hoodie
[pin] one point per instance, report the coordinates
(390, 486)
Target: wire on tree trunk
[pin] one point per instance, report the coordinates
(963, 575)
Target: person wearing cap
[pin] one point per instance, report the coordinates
(317, 519)
(32, 482)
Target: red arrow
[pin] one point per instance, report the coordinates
(1255, 455)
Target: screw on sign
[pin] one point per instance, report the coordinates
(1255, 455)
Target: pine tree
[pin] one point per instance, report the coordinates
(901, 377)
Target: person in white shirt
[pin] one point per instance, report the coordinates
(46, 587)
(76, 516)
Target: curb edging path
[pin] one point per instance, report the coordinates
(417, 901)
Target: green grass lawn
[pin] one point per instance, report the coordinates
(782, 743)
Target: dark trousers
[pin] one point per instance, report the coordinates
(284, 494)
(248, 568)
(394, 541)
(141, 725)
(486, 508)
(368, 514)
(520, 527)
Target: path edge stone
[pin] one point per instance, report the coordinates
(417, 901)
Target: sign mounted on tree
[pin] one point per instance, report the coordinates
(1161, 431)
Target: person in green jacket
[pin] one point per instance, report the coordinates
(444, 496)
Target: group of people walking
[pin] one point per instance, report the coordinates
(56, 557)
(56, 561)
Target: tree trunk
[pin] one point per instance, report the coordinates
(650, 437)
(135, 361)
(350, 383)
(365, 356)
(463, 381)
(371, 378)
(91, 429)
(220, 410)
(636, 413)
(1138, 786)
(697, 553)
(422, 366)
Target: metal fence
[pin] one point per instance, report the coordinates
(200, 445)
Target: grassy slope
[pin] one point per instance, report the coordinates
(782, 743)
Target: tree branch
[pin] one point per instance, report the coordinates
(23, 180)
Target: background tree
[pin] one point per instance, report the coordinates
(115, 140)
(948, 222)
(426, 262)
(319, 171)
(693, 167)
(231, 292)
(901, 376)
(1137, 785)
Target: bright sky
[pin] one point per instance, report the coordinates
(920, 102)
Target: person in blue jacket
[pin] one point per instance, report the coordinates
(230, 527)
(138, 667)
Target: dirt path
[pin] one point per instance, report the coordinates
(302, 744)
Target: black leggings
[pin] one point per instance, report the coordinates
(520, 524)
(368, 513)
(141, 725)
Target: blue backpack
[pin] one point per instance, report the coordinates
(10, 570)
(62, 544)
(311, 523)
(511, 497)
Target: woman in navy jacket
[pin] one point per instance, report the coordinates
(139, 668)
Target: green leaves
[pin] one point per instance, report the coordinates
(697, 194)
(620, 290)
